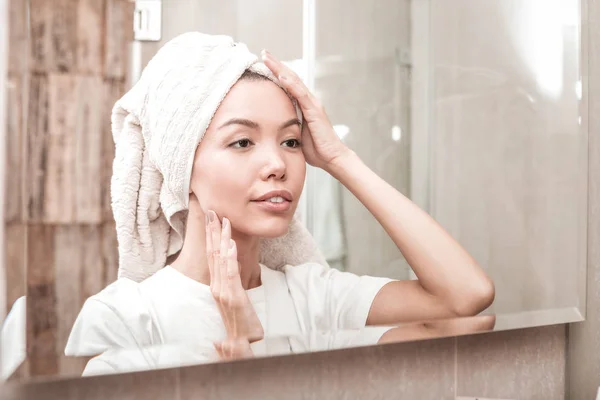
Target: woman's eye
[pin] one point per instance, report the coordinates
(241, 144)
(292, 143)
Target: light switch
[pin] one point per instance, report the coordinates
(147, 20)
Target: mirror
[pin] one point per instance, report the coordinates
(479, 121)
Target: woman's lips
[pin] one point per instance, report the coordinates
(274, 207)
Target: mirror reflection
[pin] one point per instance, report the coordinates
(212, 181)
(196, 199)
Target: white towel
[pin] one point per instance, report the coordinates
(157, 127)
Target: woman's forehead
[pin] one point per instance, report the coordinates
(256, 99)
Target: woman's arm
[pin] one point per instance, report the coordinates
(439, 328)
(450, 283)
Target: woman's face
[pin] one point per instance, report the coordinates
(249, 167)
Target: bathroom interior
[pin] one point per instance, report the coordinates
(480, 112)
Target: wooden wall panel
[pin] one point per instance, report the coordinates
(42, 318)
(89, 136)
(118, 34)
(14, 250)
(18, 44)
(39, 37)
(59, 171)
(16, 97)
(114, 90)
(90, 36)
(68, 65)
(110, 255)
(14, 149)
(36, 147)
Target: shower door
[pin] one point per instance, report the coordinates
(360, 57)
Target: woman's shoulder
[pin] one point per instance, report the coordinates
(308, 267)
(307, 275)
(117, 316)
(124, 294)
(121, 292)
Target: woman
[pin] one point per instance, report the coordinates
(247, 176)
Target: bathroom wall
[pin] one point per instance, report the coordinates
(583, 363)
(67, 67)
(508, 157)
(3, 109)
(16, 85)
(260, 24)
(14, 257)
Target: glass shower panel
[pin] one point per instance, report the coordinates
(361, 75)
(270, 24)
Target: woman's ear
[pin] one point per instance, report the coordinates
(193, 198)
(194, 209)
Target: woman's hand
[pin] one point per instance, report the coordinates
(234, 349)
(239, 316)
(320, 144)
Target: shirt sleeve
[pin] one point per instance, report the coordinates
(14, 333)
(329, 299)
(115, 318)
(337, 339)
(118, 361)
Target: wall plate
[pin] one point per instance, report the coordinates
(147, 20)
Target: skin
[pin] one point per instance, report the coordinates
(225, 179)
(439, 328)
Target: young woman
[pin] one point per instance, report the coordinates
(247, 176)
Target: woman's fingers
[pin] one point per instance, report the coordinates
(209, 247)
(290, 81)
(219, 349)
(214, 237)
(225, 239)
(224, 259)
(233, 266)
(215, 227)
(234, 349)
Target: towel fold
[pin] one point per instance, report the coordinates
(157, 127)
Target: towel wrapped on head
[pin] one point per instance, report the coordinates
(157, 127)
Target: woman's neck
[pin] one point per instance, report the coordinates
(193, 262)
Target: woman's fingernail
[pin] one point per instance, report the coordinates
(282, 78)
(231, 244)
(211, 216)
(225, 223)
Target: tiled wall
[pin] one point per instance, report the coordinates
(67, 65)
(3, 109)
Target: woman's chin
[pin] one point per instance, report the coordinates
(271, 229)
(272, 233)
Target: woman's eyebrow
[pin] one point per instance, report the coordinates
(254, 125)
(240, 121)
(291, 122)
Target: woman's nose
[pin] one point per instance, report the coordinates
(274, 166)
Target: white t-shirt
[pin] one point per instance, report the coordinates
(322, 308)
